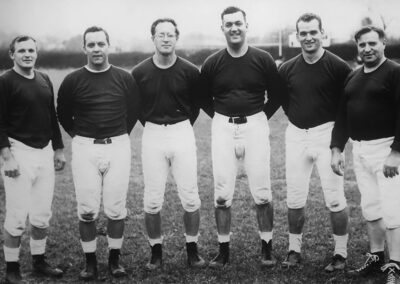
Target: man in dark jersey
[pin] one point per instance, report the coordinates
(98, 106)
(370, 116)
(236, 80)
(314, 82)
(28, 123)
(168, 85)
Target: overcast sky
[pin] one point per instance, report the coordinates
(128, 19)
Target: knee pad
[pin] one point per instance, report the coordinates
(191, 206)
(222, 202)
(223, 196)
(335, 200)
(392, 221)
(15, 231)
(41, 222)
(114, 214)
(296, 198)
(336, 205)
(87, 217)
(15, 226)
(296, 204)
(371, 214)
(262, 195)
(152, 207)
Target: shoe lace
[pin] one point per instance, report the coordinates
(371, 258)
(391, 269)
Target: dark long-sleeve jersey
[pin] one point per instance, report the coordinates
(313, 91)
(168, 95)
(237, 86)
(370, 108)
(27, 111)
(98, 104)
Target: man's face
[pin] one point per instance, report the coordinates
(370, 48)
(309, 35)
(96, 49)
(25, 54)
(165, 38)
(234, 27)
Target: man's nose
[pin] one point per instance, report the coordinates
(367, 47)
(234, 27)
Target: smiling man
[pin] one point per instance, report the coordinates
(28, 123)
(168, 85)
(314, 86)
(236, 80)
(98, 105)
(370, 116)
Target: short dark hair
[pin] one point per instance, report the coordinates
(367, 29)
(20, 38)
(231, 10)
(308, 17)
(163, 20)
(94, 29)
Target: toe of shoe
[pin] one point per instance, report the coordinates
(86, 276)
(197, 264)
(119, 272)
(152, 266)
(268, 262)
(49, 271)
(329, 268)
(288, 264)
(216, 265)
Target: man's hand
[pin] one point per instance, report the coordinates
(11, 167)
(337, 161)
(391, 164)
(59, 159)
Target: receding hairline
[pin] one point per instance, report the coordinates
(367, 29)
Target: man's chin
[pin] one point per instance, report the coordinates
(370, 63)
(27, 66)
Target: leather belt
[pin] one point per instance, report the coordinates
(238, 120)
(102, 141)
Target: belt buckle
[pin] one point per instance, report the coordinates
(102, 141)
(238, 119)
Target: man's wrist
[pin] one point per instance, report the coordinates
(336, 150)
(6, 153)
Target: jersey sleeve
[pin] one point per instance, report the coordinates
(274, 88)
(56, 139)
(65, 106)
(396, 87)
(285, 90)
(133, 100)
(204, 96)
(194, 92)
(340, 133)
(4, 142)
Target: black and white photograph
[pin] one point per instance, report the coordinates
(214, 141)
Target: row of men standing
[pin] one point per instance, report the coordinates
(99, 104)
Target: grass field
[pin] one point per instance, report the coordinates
(64, 248)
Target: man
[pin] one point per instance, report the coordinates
(168, 85)
(98, 107)
(314, 81)
(370, 116)
(236, 79)
(28, 123)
